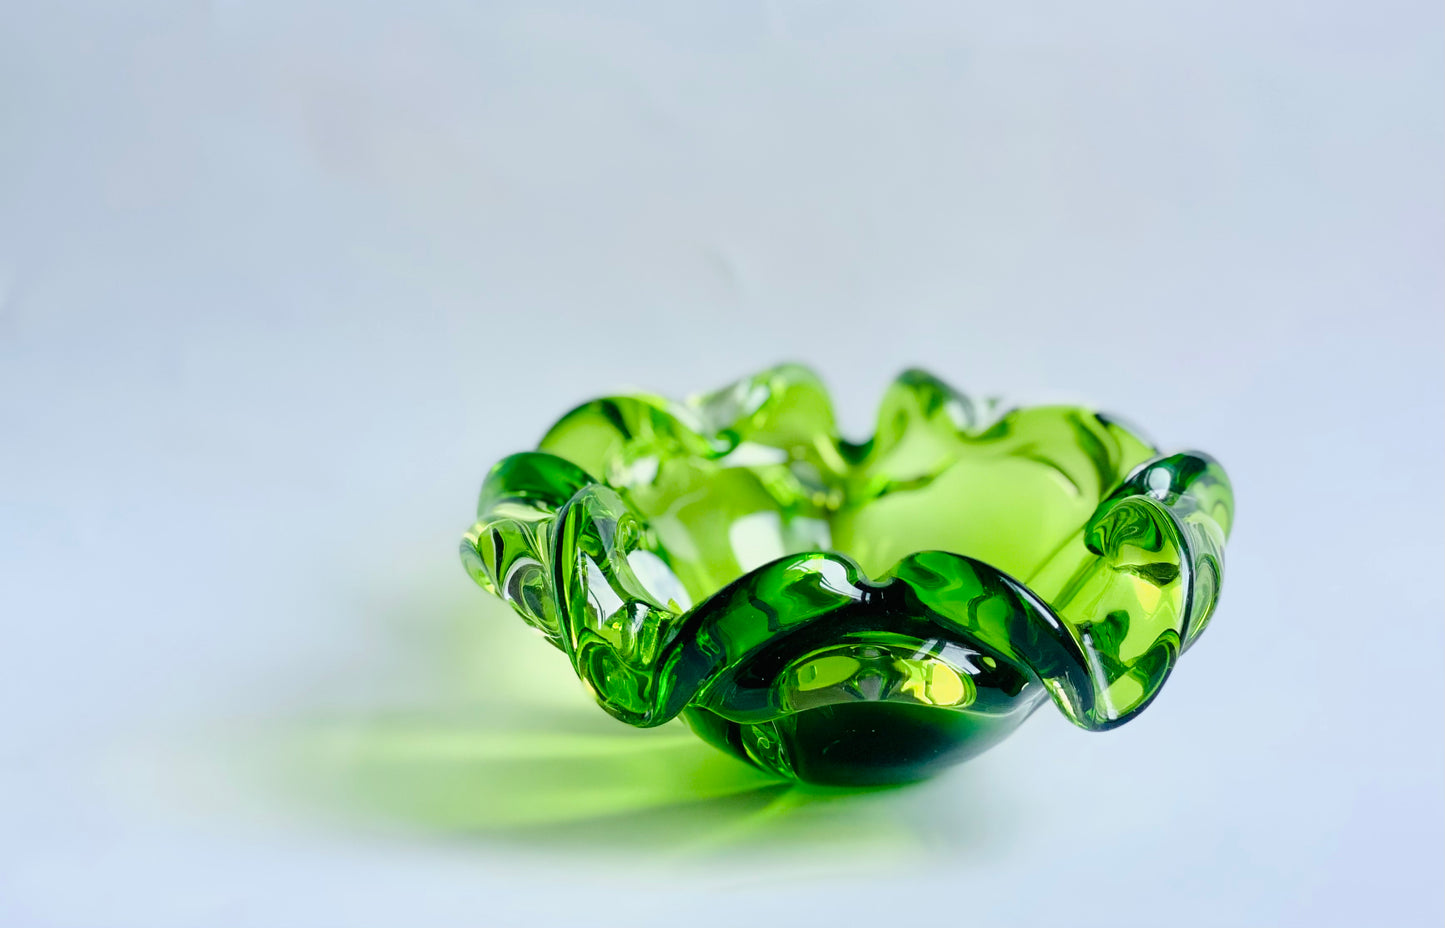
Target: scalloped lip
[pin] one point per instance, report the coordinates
(696, 414)
(874, 593)
(708, 429)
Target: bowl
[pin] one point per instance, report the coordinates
(855, 613)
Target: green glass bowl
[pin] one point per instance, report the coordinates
(854, 613)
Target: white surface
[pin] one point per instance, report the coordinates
(278, 282)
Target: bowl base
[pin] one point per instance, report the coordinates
(858, 743)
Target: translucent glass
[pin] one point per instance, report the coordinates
(854, 613)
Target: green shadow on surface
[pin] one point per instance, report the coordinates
(502, 743)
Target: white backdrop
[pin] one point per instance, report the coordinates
(278, 281)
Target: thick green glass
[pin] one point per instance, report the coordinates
(854, 613)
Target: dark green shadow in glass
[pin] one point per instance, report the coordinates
(854, 613)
